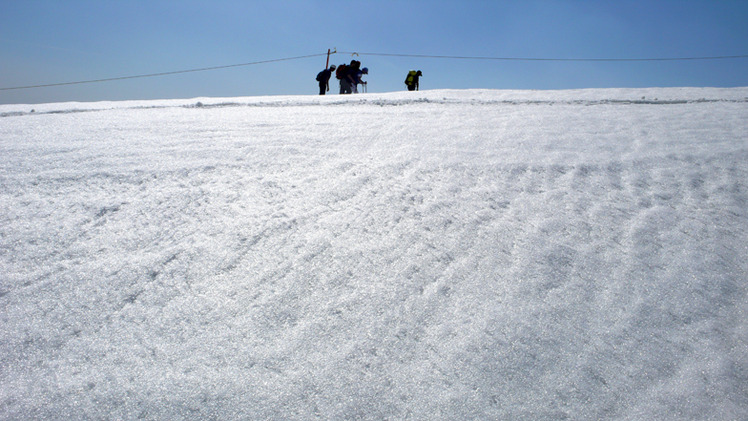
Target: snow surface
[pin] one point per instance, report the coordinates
(433, 255)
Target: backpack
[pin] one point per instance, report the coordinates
(340, 71)
(410, 79)
(319, 76)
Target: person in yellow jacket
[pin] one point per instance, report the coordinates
(411, 81)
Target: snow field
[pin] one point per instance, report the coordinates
(429, 255)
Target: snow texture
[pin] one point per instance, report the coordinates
(434, 255)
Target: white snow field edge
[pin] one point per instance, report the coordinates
(440, 255)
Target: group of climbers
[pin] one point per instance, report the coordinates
(350, 76)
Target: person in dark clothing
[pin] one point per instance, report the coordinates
(411, 81)
(340, 74)
(348, 79)
(323, 78)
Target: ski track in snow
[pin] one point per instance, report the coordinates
(461, 255)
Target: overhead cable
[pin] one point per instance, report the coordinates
(548, 59)
(203, 69)
(162, 73)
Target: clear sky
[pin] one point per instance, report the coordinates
(54, 41)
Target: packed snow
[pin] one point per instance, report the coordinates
(433, 255)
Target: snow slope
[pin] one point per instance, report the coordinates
(416, 255)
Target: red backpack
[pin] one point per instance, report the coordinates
(340, 71)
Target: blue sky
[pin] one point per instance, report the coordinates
(54, 41)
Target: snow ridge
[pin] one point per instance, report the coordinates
(670, 96)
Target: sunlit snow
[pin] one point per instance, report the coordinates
(433, 255)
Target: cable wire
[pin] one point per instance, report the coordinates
(162, 74)
(203, 69)
(547, 59)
